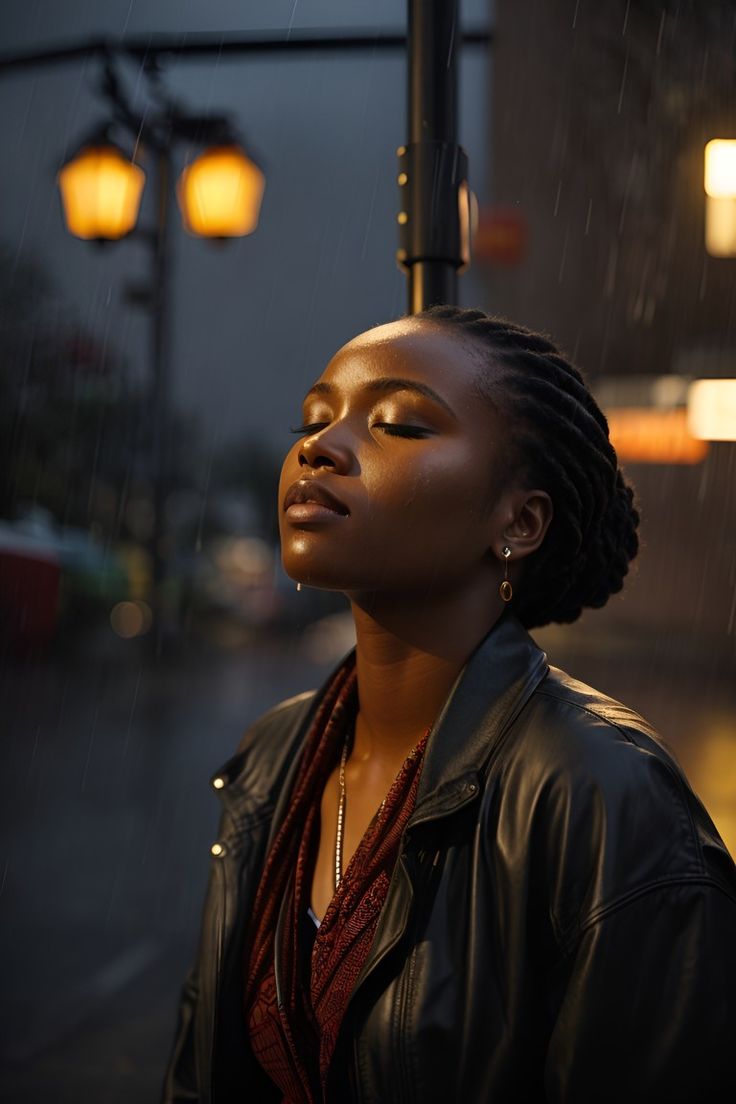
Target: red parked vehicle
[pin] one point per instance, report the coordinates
(30, 574)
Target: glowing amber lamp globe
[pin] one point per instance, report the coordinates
(220, 194)
(101, 193)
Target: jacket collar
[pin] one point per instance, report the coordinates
(493, 686)
(490, 690)
(487, 695)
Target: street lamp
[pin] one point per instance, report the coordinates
(720, 197)
(101, 191)
(220, 193)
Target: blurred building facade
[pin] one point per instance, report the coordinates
(600, 115)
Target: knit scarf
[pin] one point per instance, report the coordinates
(294, 1042)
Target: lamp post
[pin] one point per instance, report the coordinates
(435, 201)
(437, 207)
(434, 35)
(219, 194)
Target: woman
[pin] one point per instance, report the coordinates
(454, 872)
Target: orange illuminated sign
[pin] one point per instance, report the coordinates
(650, 436)
(501, 236)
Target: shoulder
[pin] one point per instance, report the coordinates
(587, 709)
(609, 810)
(280, 718)
(266, 748)
(286, 720)
(586, 737)
(586, 741)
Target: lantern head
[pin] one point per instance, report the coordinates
(101, 191)
(220, 193)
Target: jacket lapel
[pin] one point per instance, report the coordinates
(250, 780)
(490, 691)
(488, 694)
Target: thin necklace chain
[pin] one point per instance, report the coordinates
(341, 809)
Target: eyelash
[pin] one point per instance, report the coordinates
(391, 428)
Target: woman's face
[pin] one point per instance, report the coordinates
(396, 434)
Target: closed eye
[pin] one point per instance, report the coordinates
(393, 429)
(313, 428)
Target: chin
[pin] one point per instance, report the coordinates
(341, 578)
(308, 571)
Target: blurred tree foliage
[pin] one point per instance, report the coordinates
(74, 431)
(253, 467)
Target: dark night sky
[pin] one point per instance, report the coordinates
(255, 321)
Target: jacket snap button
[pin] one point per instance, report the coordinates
(217, 849)
(219, 782)
(472, 787)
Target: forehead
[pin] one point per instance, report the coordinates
(412, 350)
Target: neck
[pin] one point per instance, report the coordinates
(407, 661)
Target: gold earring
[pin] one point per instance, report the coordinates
(505, 589)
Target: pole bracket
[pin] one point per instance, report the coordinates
(434, 222)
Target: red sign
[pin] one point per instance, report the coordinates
(501, 236)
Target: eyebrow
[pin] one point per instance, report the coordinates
(389, 383)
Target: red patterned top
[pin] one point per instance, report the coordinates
(294, 1042)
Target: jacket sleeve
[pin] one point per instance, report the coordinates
(180, 1080)
(180, 1084)
(647, 1001)
(648, 1009)
(642, 898)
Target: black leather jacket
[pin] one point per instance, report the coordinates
(560, 925)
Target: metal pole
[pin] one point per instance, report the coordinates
(160, 309)
(432, 118)
(432, 168)
(185, 46)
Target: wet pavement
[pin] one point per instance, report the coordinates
(108, 817)
(107, 821)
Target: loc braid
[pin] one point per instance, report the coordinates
(561, 445)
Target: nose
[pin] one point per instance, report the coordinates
(323, 450)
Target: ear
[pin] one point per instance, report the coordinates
(531, 514)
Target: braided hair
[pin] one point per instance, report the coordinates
(559, 444)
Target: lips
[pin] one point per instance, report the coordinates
(309, 490)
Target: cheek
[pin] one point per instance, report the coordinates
(442, 485)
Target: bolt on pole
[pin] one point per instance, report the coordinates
(433, 169)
